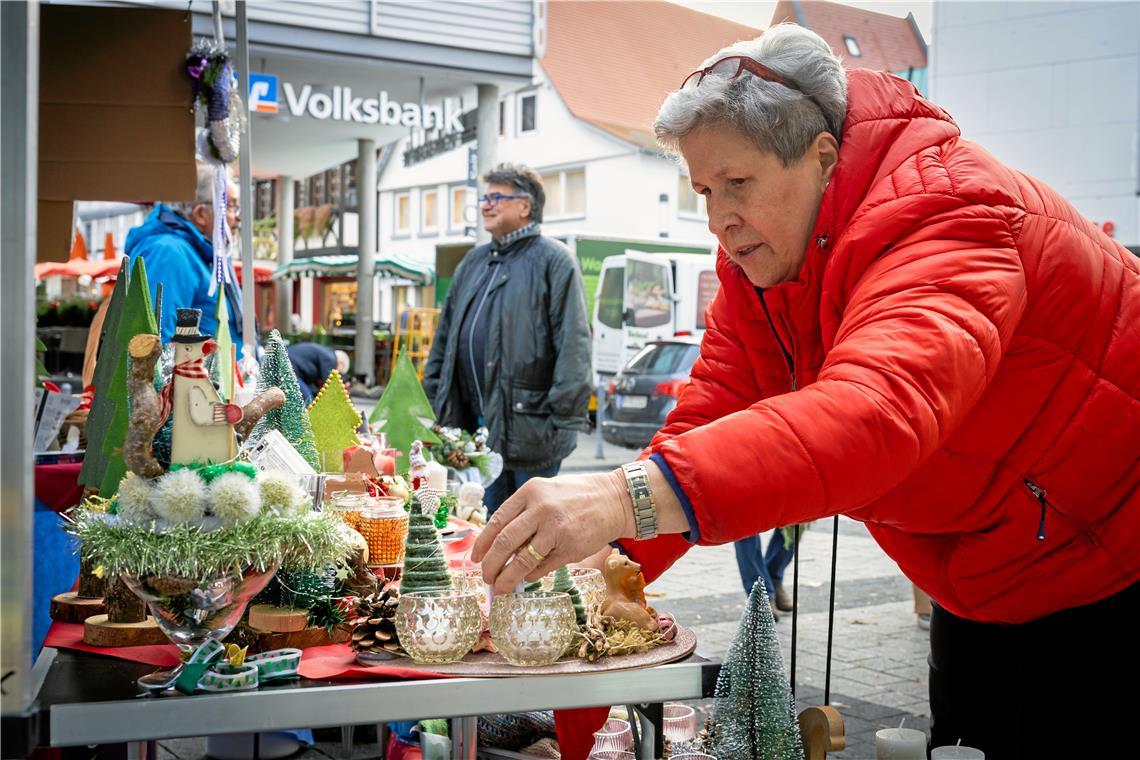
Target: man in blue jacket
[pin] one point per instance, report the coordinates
(175, 242)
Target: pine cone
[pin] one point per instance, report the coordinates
(457, 459)
(375, 630)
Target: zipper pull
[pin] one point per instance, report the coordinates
(822, 240)
(1039, 492)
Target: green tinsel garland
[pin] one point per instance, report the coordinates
(303, 542)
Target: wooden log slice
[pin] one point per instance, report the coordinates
(98, 631)
(264, 641)
(266, 617)
(69, 607)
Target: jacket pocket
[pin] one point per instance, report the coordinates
(1051, 509)
(530, 434)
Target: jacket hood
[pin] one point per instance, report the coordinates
(163, 220)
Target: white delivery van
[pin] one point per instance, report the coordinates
(648, 296)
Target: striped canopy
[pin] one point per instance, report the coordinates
(344, 265)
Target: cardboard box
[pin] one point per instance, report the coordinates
(115, 122)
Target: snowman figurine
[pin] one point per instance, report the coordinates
(203, 429)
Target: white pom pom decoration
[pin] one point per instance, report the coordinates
(234, 498)
(180, 497)
(134, 500)
(281, 496)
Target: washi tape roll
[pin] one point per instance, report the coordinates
(280, 663)
(229, 678)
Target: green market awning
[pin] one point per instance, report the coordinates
(344, 265)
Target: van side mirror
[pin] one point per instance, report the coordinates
(628, 316)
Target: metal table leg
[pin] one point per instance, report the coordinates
(346, 741)
(650, 723)
(464, 738)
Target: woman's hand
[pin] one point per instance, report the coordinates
(564, 519)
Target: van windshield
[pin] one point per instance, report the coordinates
(609, 299)
(663, 359)
(647, 293)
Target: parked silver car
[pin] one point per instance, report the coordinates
(643, 393)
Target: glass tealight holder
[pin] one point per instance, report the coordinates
(438, 626)
(591, 585)
(615, 735)
(532, 628)
(611, 754)
(680, 723)
(347, 505)
(470, 580)
(694, 756)
(384, 525)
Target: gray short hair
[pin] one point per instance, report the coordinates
(203, 193)
(524, 180)
(776, 118)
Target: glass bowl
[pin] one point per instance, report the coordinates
(532, 628)
(438, 626)
(614, 735)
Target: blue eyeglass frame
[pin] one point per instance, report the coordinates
(494, 199)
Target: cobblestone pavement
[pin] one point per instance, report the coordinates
(878, 666)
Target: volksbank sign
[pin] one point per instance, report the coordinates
(342, 105)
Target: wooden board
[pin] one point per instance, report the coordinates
(69, 607)
(486, 664)
(264, 641)
(99, 632)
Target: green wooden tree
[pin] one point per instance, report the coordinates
(753, 714)
(335, 421)
(425, 566)
(137, 318)
(293, 418)
(563, 582)
(403, 412)
(103, 404)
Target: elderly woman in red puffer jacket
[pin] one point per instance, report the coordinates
(914, 335)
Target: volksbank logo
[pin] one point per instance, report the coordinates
(342, 105)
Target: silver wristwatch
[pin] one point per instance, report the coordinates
(644, 510)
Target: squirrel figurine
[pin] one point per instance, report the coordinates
(625, 592)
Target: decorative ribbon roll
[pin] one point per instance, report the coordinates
(229, 678)
(206, 670)
(279, 663)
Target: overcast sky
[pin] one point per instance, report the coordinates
(758, 13)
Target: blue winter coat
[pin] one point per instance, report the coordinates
(182, 259)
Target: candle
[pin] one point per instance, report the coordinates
(957, 752)
(437, 477)
(900, 744)
(385, 464)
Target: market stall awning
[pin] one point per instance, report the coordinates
(109, 268)
(344, 265)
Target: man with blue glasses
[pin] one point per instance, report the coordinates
(512, 349)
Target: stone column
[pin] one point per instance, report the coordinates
(488, 121)
(366, 200)
(284, 250)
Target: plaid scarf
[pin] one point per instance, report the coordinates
(506, 241)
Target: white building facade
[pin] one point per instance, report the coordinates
(1053, 90)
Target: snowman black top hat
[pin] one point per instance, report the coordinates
(186, 326)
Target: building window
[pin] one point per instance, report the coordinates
(527, 117)
(429, 212)
(402, 214)
(502, 118)
(565, 193)
(460, 200)
(852, 46)
(689, 204)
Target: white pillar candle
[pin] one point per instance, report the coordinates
(437, 477)
(900, 744)
(957, 752)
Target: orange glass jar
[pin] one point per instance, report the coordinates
(384, 525)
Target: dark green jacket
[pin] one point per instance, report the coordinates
(538, 375)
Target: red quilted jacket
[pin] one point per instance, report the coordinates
(964, 351)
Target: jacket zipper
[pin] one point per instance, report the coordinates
(787, 354)
(1043, 497)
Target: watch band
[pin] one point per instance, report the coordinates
(644, 510)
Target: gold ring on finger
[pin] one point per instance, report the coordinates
(538, 556)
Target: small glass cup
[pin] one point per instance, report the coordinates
(694, 756)
(615, 735)
(612, 754)
(591, 585)
(384, 525)
(347, 504)
(680, 723)
(470, 580)
(438, 626)
(532, 628)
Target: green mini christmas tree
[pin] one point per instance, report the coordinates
(335, 421)
(103, 404)
(425, 566)
(753, 714)
(292, 420)
(403, 412)
(564, 583)
(137, 318)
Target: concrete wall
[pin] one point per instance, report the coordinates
(1052, 89)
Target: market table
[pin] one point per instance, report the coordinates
(87, 699)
